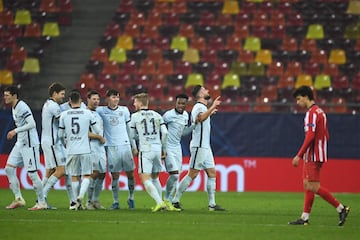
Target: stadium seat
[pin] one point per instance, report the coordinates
(264, 56)
(6, 77)
(22, 17)
(118, 55)
(252, 44)
(315, 31)
(99, 54)
(32, 30)
(337, 56)
(125, 42)
(231, 80)
(230, 7)
(198, 43)
(239, 68)
(256, 69)
(51, 29)
(303, 80)
(111, 67)
(179, 42)
(31, 65)
(194, 79)
(191, 55)
(275, 68)
(353, 7)
(322, 81)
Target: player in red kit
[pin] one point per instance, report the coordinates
(314, 153)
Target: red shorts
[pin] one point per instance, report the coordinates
(311, 171)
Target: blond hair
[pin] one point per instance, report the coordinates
(143, 98)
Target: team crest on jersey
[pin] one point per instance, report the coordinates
(114, 121)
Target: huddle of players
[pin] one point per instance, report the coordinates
(81, 142)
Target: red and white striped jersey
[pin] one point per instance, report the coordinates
(314, 147)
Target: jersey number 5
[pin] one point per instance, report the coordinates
(75, 126)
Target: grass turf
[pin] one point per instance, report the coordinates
(249, 215)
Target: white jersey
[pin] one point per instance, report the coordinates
(96, 145)
(66, 106)
(76, 123)
(115, 125)
(50, 122)
(201, 133)
(176, 123)
(21, 111)
(148, 126)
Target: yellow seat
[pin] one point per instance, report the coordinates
(22, 17)
(1, 6)
(230, 7)
(239, 68)
(125, 42)
(337, 56)
(303, 80)
(118, 55)
(6, 77)
(264, 56)
(256, 69)
(353, 7)
(194, 79)
(51, 29)
(315, 31)
(31, 65)
(352, 31)
(179, 42)
(230, 80)
(322, 81)
(191, 55)
(252, 44)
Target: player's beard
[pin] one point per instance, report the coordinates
(207, 97)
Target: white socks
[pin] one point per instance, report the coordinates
(184, 184)
(13, 181)
(171, 186)
(152, 191)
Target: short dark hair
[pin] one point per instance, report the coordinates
(182, 95)
(304, 91)
(13, 90)
(75, 96)
(92, 92)
(111, 92)
(196, 90)
(55, 87)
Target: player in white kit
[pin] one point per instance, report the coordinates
(119, 147)
(74, 133)
(177, 122)
(53, 149)
(149, 127)
(200, 150)
(25, 151)
(98, 155)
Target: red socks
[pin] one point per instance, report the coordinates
(308, 201)
(327, 196)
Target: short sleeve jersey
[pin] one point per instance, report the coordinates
(77, 122)
(201, 133)
(20, 112)
(115, 125)
(50, 122)
(176, 122)
(147, 124)
(96, 145)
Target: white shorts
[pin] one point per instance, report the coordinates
(149, 162)
(78, 165)
(173, 161)
(99, 161)
(54, 155)
(29, 157)
(120, 158)
(201, 158)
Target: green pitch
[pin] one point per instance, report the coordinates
(249, 215)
